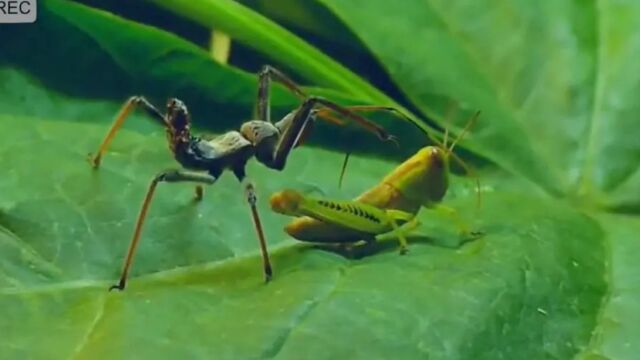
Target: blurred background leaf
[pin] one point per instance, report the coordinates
(105, 67)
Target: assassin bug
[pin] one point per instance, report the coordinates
(205, 160)
(391, 206)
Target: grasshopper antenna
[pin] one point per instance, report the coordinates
(471, 173)
(451, 110)
(470, 124)
(466, 168)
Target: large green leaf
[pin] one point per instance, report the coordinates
(114, 58)
(66, 226)
(554, 276)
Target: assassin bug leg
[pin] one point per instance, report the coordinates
(252, 199)
(167, 176)
(269, 73)
(126, 109)
(199, 193)
(293, 131)
(264, 90)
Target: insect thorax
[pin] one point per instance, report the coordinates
(224, 151)
(264, 136)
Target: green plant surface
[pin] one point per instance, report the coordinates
(197, 288)
(554, 276)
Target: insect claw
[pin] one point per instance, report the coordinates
(199, 194)
(393, 139)
(119, 286)
(94, 160)
(267, 276)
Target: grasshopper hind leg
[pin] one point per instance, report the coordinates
(351, 250)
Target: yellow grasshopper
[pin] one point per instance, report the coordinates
(389, 207)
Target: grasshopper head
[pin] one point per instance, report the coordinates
(286, 202)
(424, 176)
(433, 180)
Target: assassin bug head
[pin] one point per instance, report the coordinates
(177, 116)
(177, 120)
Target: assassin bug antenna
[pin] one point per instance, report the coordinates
(451, 110)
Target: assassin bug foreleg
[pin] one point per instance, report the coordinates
(205, 160)
(391, 206)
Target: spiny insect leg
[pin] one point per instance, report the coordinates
(265, 76)
(126, 109)
(167, 176)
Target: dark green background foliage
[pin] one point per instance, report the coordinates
(555, 276)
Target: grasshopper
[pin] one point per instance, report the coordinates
(389, 207)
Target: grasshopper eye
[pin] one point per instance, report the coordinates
(437, 157)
